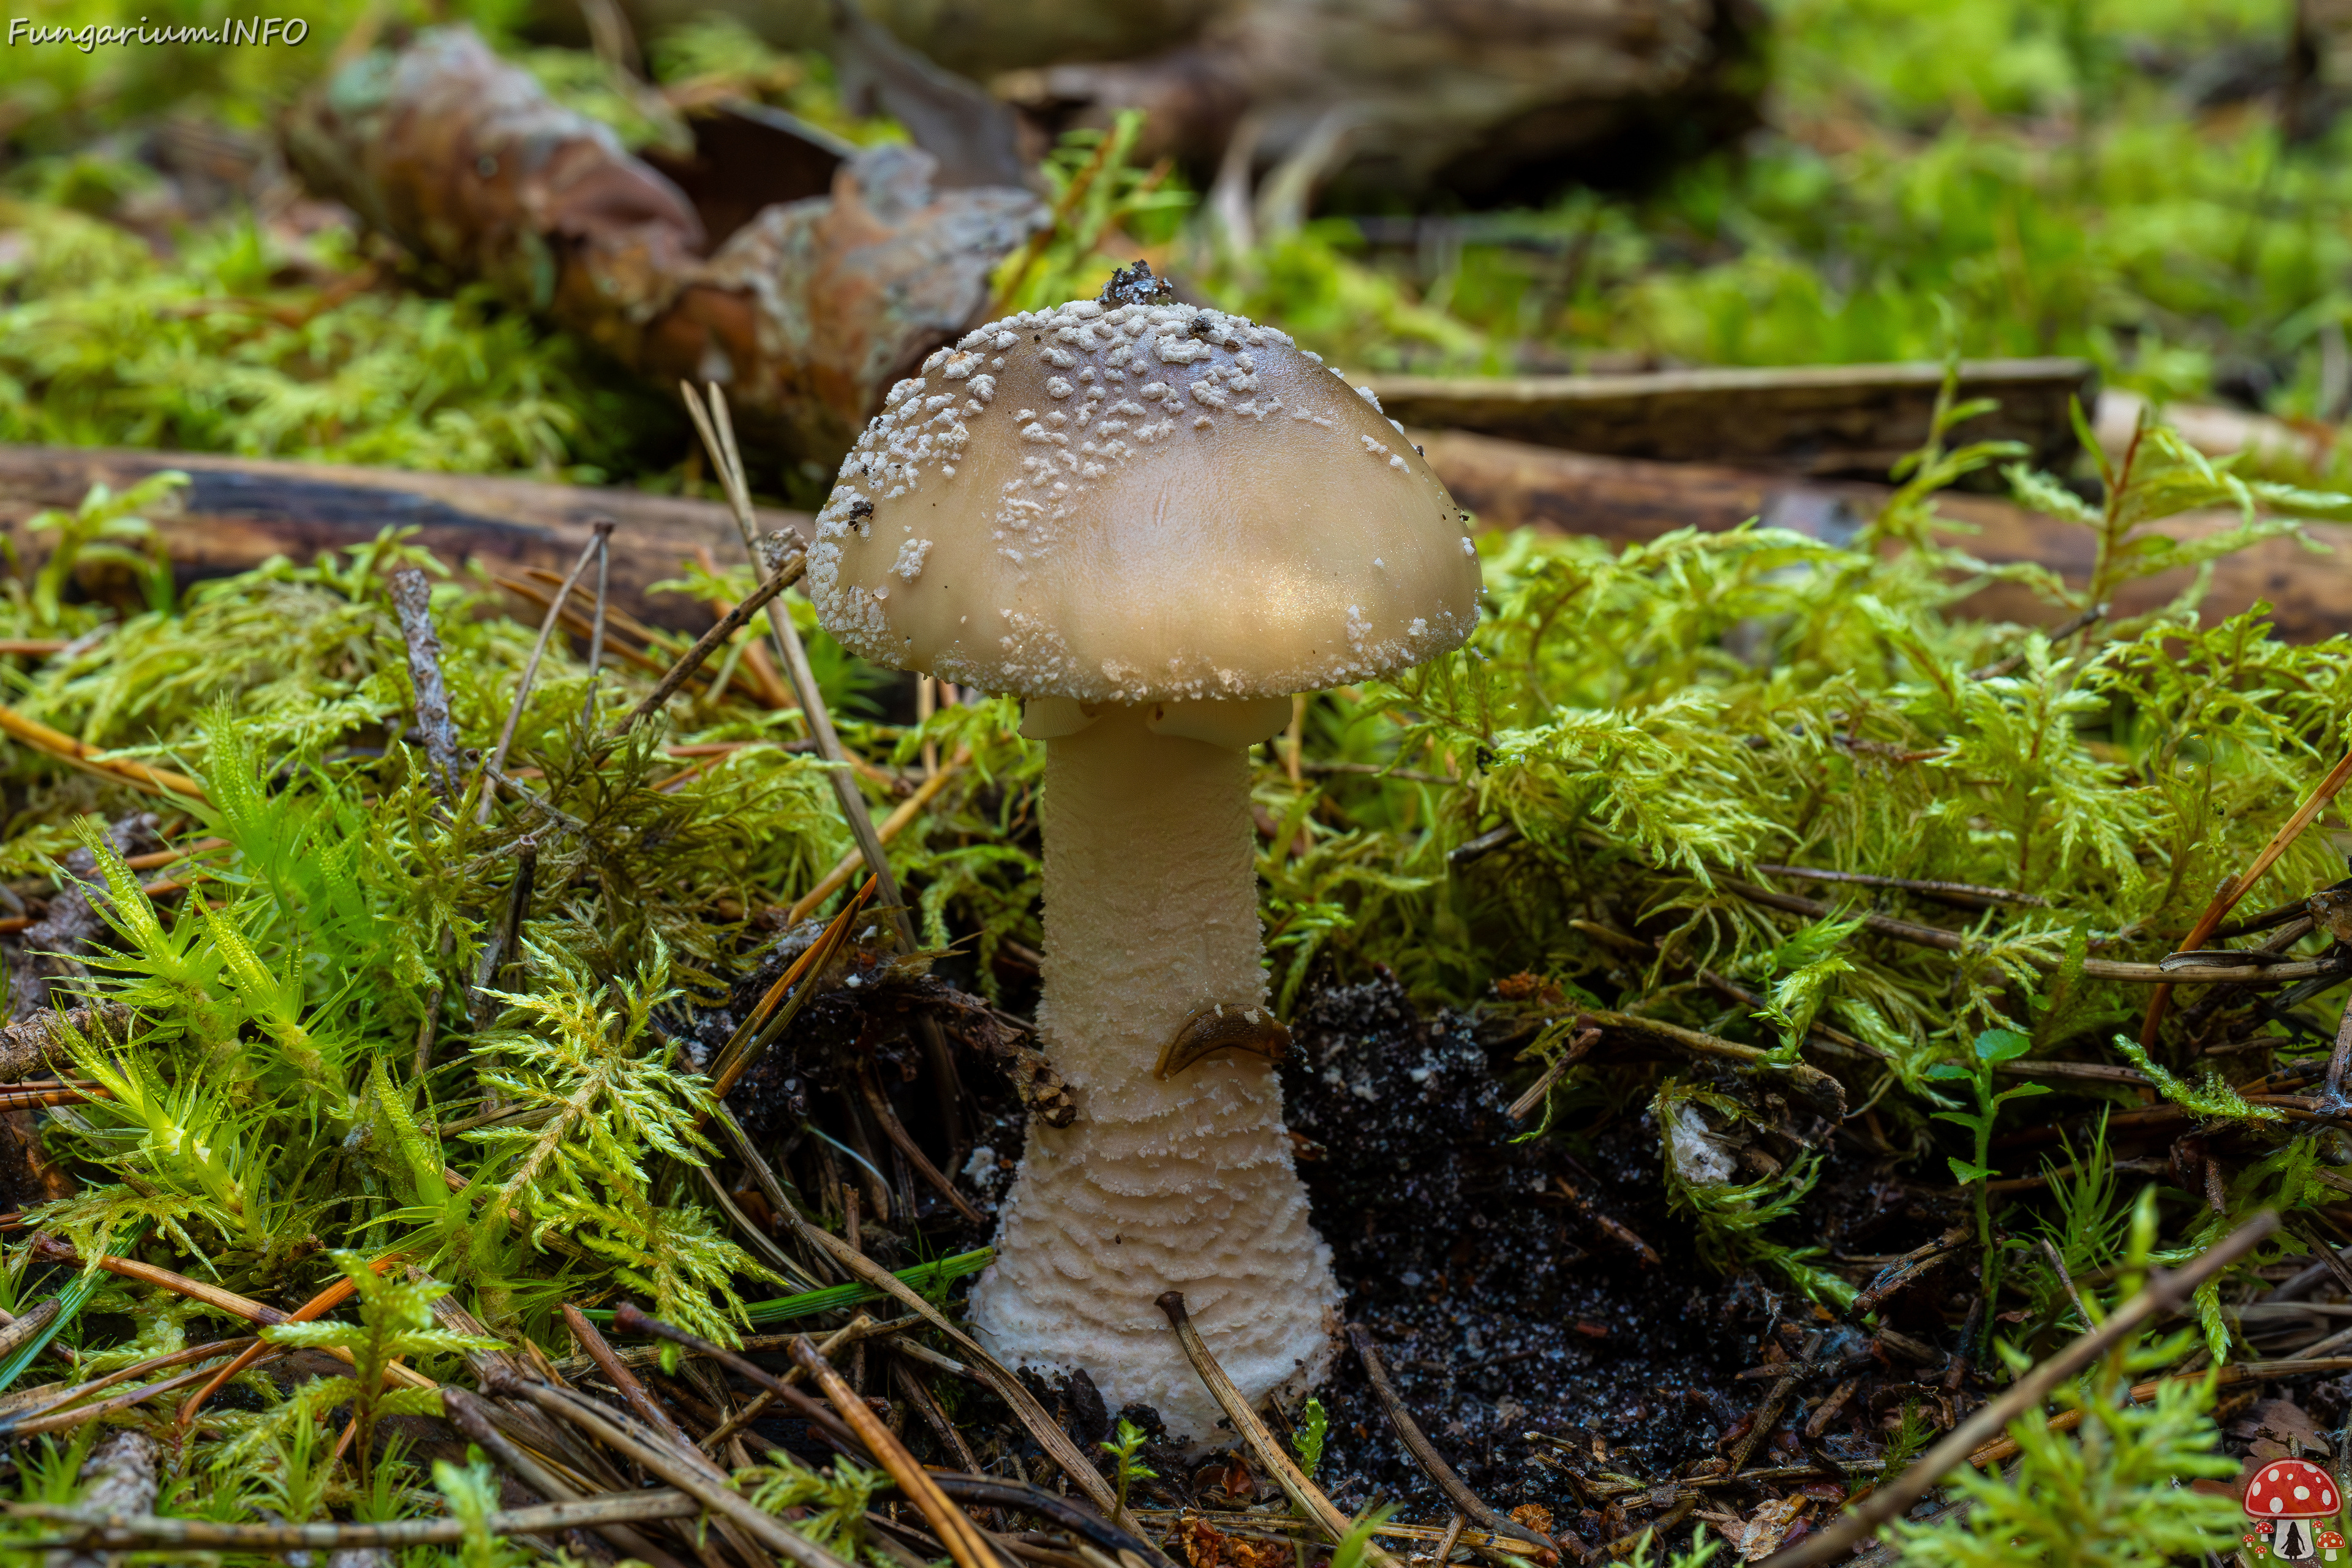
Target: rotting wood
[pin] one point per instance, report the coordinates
(1852, 420)
(813, 307)
(237, 512)
(1511, 484)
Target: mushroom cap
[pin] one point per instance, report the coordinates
(1140, 503)
(2291, 1489)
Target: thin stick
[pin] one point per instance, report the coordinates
(631, 1389)
(716, 1496)
(708, 643)
(1433, 1464)
(1308, 1499)
(473, 1418)
(93, 760)
(892, 825)
(319, 1306)
(1541, 1089)
(2238, 886)
(897, 1134)
(857, 1329)
(1905, 884)
(1048, 1432)
(2058, 1265)
(498, 760)
(1894, 1498)
(717, 431)
(956, 1532)
(738, 1056)
(132, 1531)
(596, 634)
(631, 1319)
(51, 1250)
(1452, 1534)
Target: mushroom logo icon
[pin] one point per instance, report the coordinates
(2287, 1496)
(2331, 1546)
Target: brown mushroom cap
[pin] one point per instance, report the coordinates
(1139, 503)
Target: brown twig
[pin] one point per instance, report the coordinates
(629, 1318)
(2079, 622)
(1893, 1498)
(1907, 884)
(897, 1133)
(859, 1328)
(2237, 887)
(1308, 1499)
(626, 1384)
(94, 760)
(892, 825)
(956, 1532)
(474, 1419)
(411, 600)
(596, 630)
(686, 1475)
(741, 1052)
(1541, 1089)
(133, 1532)
(728, 625)
(498, 758)
(319, 1306)
(1433, 1464)
(1024, 1404)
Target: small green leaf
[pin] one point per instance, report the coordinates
(1966, 1174)
(2002, 1045)
(1948, 1072)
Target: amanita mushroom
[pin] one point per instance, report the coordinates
(1154, 523)
(2286, 1494)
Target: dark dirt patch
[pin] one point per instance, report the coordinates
(1501, 1307)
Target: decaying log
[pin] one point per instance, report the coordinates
(237, 512)
(1507, 484)
(1848, 421)
(806, 314)
(240, 512)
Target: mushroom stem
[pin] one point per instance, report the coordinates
(1178, 1184)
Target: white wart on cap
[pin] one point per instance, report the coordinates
(1139, 503)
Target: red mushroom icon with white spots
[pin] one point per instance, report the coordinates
(2331, 1546)
(2286, 1496)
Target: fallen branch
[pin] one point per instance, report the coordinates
(1894, 1499)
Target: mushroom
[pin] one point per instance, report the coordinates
(2331, 1546)
(2286, 1495)
(1153, 523)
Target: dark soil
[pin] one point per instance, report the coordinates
(1501, 1309)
